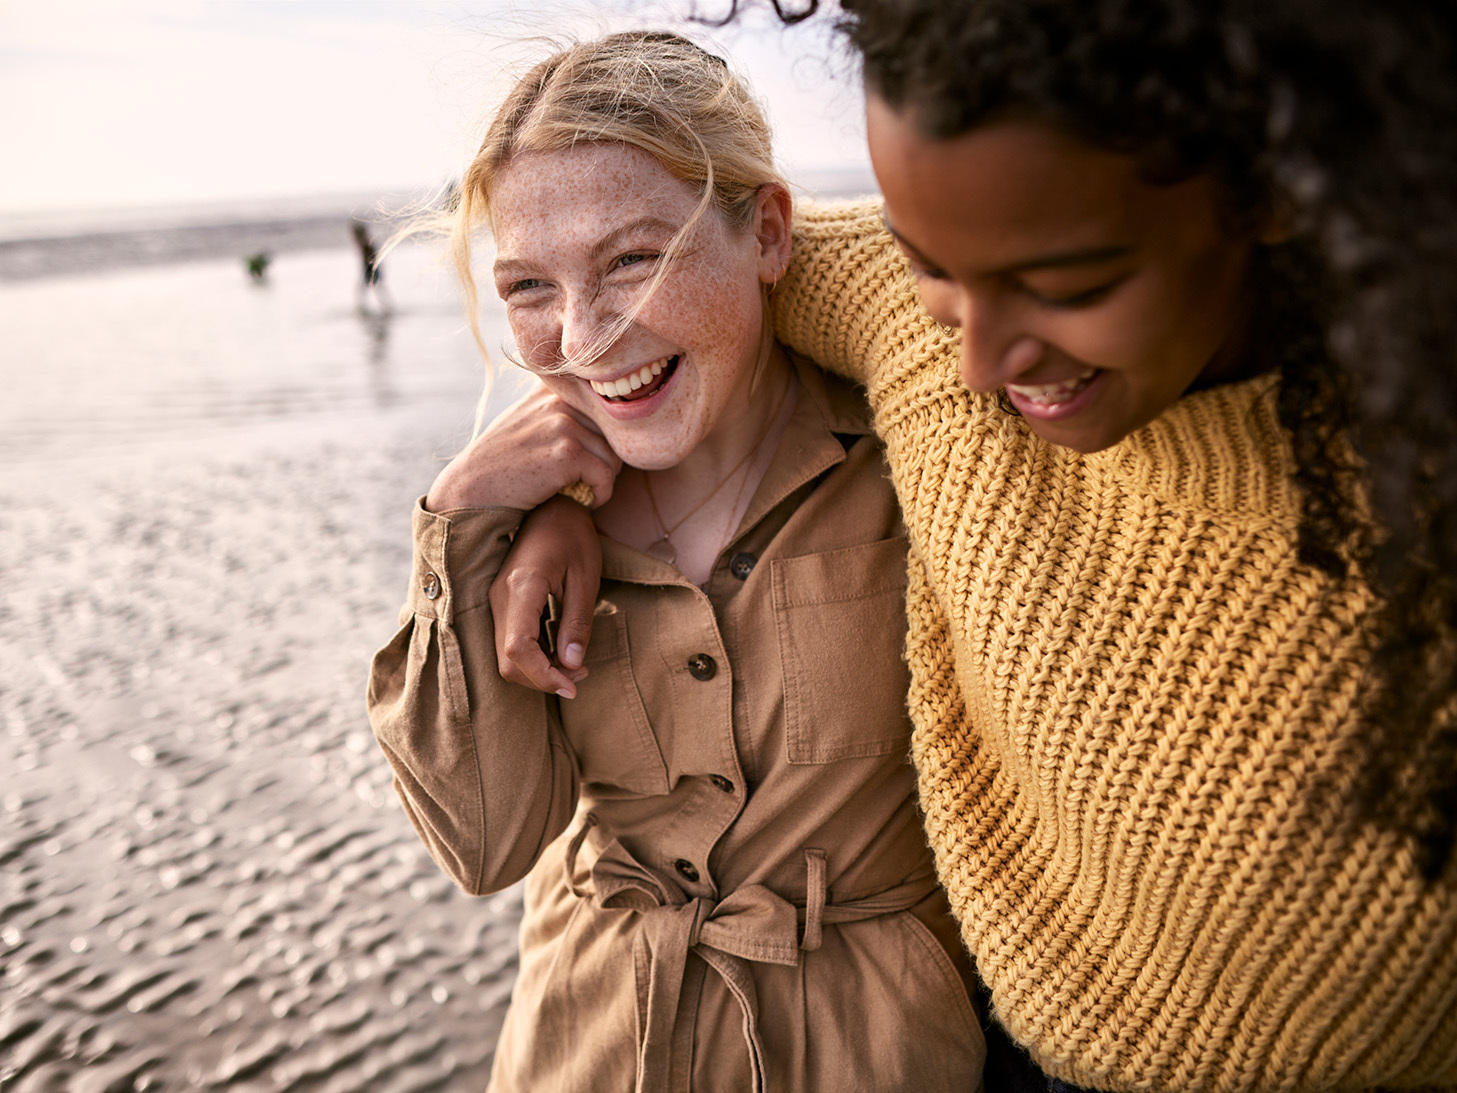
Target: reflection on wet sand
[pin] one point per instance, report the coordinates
(205, 880)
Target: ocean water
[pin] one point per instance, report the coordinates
(39, 243)
(191, 354)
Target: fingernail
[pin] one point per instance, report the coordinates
(566, 692)
(573, 655)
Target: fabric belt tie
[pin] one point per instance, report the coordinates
(749, 924)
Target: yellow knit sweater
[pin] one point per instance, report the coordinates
(1134, 722)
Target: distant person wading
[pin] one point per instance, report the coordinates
(371, 271)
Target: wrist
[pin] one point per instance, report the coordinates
(453, 489)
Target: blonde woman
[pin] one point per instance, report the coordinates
(728, 883)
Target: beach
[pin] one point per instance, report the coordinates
(207, 881)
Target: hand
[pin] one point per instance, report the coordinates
(555, 553)
(528, 453)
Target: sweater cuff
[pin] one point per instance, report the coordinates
(457, 555)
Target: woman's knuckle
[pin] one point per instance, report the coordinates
(517, 646)
(520, 582)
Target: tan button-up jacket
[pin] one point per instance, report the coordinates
(730, 886)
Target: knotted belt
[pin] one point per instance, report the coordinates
(749, 924)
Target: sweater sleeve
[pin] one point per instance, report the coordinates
(846, 287)
(943, 733)
(480, 764)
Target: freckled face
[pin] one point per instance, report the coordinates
(1094, 298)
(579, 235)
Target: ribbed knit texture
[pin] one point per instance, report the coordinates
(1134, 719)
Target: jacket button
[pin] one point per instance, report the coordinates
(701, 666)
(741, 565)
(686, 868)
(430, 586)
(721, 782)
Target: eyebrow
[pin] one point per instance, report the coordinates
(1080, 256)
(608, 242)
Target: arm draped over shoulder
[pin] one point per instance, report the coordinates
(1136, 725)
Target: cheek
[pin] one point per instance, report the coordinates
(720, 312)
(1214, 290)
(1206, 286)
(1121, 334)
(1159, 326)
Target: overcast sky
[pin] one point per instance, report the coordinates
(157, 101)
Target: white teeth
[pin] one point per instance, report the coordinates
(1048, 393)
(631, 382)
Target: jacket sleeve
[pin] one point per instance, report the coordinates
(480, 764)
(848, 300)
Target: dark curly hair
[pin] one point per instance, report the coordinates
(1340, 115)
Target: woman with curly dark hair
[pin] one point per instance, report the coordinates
(1156, 318)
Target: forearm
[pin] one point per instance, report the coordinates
(479, 763)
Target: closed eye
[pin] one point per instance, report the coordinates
(634, 258)
(1082, 298)
(920, 269)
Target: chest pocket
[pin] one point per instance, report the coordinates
(841, 618)
(606, 724)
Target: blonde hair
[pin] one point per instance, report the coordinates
(652, 90)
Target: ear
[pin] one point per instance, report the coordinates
(772, 216)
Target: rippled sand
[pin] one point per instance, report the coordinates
(205, 879)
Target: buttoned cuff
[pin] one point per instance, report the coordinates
(457, 555)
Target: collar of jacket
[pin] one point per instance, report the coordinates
(827, 409)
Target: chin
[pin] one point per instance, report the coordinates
(649, 457)
(650, 463)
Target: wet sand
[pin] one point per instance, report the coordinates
(205, 879)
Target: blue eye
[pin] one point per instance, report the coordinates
(635, 258)
(522, 286)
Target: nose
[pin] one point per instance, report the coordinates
(987, 370)
(585, 330)
(994, 351)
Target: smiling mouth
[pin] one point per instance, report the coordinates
(1051, 394)
(643, 383)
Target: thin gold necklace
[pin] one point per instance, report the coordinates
(663, 548)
